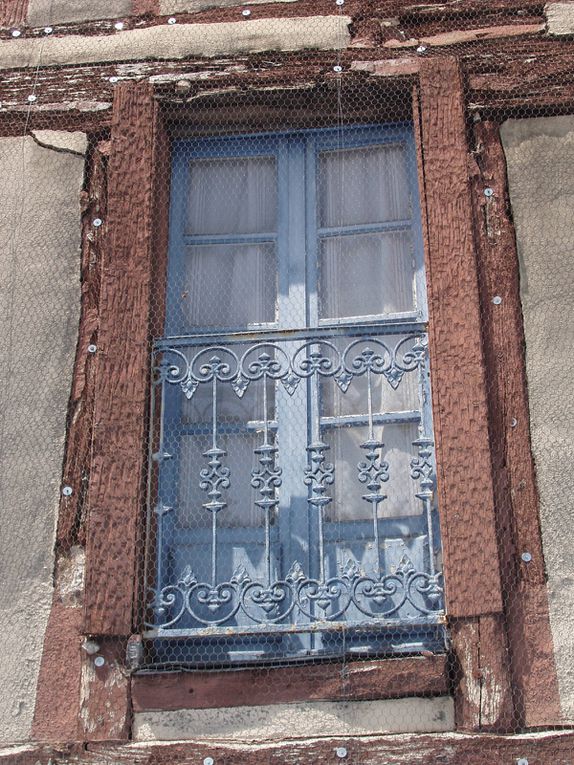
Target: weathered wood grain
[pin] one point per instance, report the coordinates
(524, 587)
(116, 489)
(12, 12)
(466, 502)
(483, 691)
(351, 681)
(500, 75)
(555, 748)
(105, 711)
(77, 457)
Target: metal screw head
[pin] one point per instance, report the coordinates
(48, 30)
(119, 25)
(422, 49)
(488, 192)
(497, 300)
(114, 78)
(339, 2)
(67, 491)
(92, 348)
(183, 86)
(337, 69)
(513, 422)
(99, 661)
(246, 12)
(208, 761)
(522, 761)
(32, 98)
(172, 20)
(16, 33)
(526, 557)
(97, 222)
(90, 647)
(341, 752)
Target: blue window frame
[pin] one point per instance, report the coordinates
(295, 509)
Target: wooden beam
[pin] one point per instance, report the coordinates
(554, 748)
(116, 492)
(458, 374)
(480, 675)
(351, 681)
(77, 458)
(524, 582)
(105, 709)
(13, 12)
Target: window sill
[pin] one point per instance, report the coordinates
(333, 681)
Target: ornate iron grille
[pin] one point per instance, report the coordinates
(355, 576)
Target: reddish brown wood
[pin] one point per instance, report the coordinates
(555, 748)
(524, 586)
(390, 67)
(77, 457)
(143, 7)
(458, 372)
(508, 74)
(392, 678)
(105, 712)
(13, 12)
(58, 690)
(460, 36)
(116, 486)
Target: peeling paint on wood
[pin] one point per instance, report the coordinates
(447, 749)
(391, 678)
(104, 713)
(468, 35)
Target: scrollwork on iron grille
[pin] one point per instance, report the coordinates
(253, 599)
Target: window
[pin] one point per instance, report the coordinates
(294, 507)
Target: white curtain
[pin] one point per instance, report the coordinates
(231, 285)
(365, 274)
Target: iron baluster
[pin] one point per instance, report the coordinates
(267, 478)
(374, 471)
(216, 478)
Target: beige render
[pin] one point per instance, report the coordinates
(39, 313)
(540, 157)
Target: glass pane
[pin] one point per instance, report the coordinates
(236, 195)
(403, 397)
(345, 453)
(366, 275)
(366, 185)
(229, 285)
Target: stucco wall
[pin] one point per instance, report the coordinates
(409, 715)
(540, 157)
(39, 310)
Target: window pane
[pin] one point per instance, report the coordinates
(401, 396)
(229, 285)
(366, 185)
(366, 275)
(236, 195)
(345, 453)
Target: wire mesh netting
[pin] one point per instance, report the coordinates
(348, 440)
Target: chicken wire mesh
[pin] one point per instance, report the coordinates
(289, 525)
